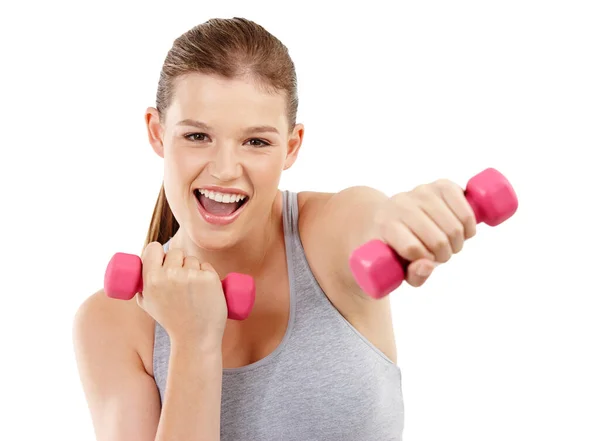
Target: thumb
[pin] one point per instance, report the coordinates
(419, 271)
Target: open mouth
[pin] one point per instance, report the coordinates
(220, 204)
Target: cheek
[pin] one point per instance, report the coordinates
(182, 165)
(265, 170)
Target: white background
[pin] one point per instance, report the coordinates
(501, 343)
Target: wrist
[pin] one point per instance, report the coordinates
(205, 346)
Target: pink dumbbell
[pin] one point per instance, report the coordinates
(123, 279)
(377, 268)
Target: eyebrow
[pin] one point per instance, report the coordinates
(203, 126)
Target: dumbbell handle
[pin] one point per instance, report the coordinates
(123, 280)
(379, 270)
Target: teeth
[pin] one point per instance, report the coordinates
(227, 198)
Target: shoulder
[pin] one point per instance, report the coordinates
(101, 323)
(335, 224)
(310, 203)
(313, 208)
(334, 210)
(325, 222)
(320, 225)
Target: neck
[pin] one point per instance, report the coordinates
(248, 256)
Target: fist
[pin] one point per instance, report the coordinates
(183, 295)
(426, 226)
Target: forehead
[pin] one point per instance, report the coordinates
(216, 100)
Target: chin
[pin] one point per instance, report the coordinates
(214, 240)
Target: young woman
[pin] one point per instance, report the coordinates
(316, 358)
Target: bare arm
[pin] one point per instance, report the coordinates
(338, 224)
(192, 407)
(123, 398)
(332, 226)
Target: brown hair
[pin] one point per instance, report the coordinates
(231, 48)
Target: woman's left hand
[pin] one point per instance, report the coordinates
(426, 226)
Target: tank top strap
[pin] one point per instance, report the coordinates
(311, 302)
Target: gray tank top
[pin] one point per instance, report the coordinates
(324, 382)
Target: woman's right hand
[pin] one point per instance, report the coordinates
(185, 297)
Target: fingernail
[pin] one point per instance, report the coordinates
(424, 270)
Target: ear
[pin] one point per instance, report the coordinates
(155, 131)
(294, 143)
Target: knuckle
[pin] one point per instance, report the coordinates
(457, 233)
(440, 245)
(458, 247)
(401, 206)
(156, 247)
(467, 219)
(425, 193)
(176, 252)
(194, 275)
(206, 278)
(192, 261)
(211, 276)
(400, 199)
(441, 249)
(411, 250)
(152, 245)
(444, 183)
(149, 250)
(422, 190)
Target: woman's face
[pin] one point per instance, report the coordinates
(224, 133)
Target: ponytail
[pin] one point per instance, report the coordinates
(163, 224)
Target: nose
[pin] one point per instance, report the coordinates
(225, 165)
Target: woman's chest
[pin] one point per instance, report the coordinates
(319, 394)
(248, 341)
